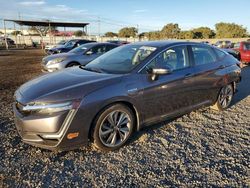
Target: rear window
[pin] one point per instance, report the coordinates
(203, 55)
(246, 46)
(219, 53)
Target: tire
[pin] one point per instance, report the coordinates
(72, 64)
(224, 98)
(108, 134)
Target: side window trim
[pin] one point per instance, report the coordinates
(164, 50)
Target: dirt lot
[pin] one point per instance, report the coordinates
(203, 148)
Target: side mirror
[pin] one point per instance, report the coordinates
(155, 72)
(89, 53)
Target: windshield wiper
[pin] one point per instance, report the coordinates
(91, 69)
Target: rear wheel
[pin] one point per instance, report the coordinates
(224, 99)
(113, 127)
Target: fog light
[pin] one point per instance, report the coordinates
(72, 135)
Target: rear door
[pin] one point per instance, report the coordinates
(209, 69)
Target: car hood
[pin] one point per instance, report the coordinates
(68, 84)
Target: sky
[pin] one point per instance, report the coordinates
(147, 15)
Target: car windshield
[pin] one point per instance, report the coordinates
(61, 42)
(122, 59)
(247, 46)
(70, 44)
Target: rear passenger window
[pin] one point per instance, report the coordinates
(203, 55)
(220, 53)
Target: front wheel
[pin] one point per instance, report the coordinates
(113, 127)
(224, 99)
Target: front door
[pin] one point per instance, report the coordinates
(172, 93)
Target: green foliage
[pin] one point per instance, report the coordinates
(186, 35)
(1, 32)
(153, 35)
(203, 33)
(79, 33)
(128, 32)
(111, 34)
(16, 33)
(170, 31)
(230, 30)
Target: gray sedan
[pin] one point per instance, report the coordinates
(81, 55)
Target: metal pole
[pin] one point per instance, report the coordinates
(99, 26)
(15, 34)
(5, 37)
(64, 33)
(49, 34)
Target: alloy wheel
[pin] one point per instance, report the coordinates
(226, 95)
(115, 129)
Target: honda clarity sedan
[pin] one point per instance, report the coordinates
(127, 88)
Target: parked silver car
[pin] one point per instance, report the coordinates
(81, 55)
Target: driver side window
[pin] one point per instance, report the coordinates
(175, 58)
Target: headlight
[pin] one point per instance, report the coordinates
(57, 60)
(50, 108)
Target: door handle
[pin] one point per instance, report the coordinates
(222, 66)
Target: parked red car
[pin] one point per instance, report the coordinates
(244, 49)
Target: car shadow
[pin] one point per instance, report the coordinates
(243, 87)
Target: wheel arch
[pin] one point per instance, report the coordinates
(72, 62)
(124, 102)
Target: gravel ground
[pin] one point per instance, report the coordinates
(203, 148)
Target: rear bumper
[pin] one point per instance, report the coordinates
(48, 132)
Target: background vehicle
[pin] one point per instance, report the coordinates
(233, 52)
(58, 45)
(71, 44)
(224, 44)
(119, 42)
(9, 41)
(121, 91)
(81, 55)
(244, 50)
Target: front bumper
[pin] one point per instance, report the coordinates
(48, 132)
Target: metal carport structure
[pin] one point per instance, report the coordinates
(46, 23)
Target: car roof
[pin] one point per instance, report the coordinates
(92, 44)
(165, 43)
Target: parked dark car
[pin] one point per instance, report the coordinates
(71, 44)
(120, 92)
(118, 42)
(224, 44)
(233, 52)
(81, 55)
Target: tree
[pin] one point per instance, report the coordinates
(203, 33)
(153, 35)
(170, 31)
(186, 35)
(79, 33)
(1, 32)
(16, 33)
(111, 34)
(43, 30)
(230, 30)
(128, 32)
